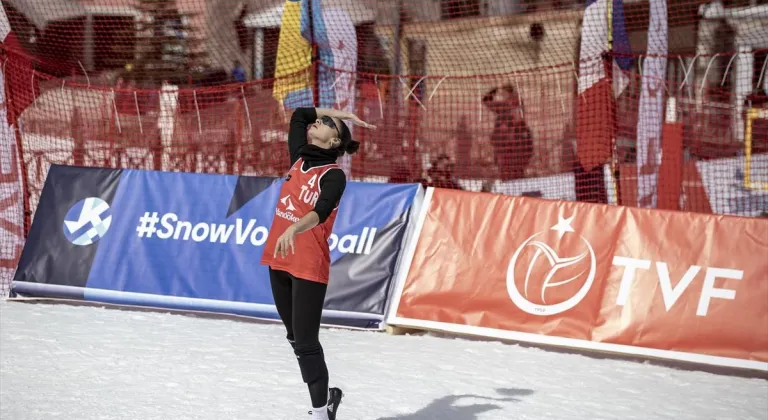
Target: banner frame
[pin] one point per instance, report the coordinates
(406, 259)
(161, 302)
(52, 283)
(393, 320)
(410, 236)
(575, 344)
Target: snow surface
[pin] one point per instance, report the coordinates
(69, 362)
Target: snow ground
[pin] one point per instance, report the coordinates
(88, 363)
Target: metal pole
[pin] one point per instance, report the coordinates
(394, 85)
(398, 33)
(258, 53)
(315, 56)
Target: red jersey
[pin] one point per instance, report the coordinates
(298, 196)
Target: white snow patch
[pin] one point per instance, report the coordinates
(69, 362)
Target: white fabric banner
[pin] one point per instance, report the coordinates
(11, 198)
(343, 43)
(724, 182)
(5, 25)
(651, 109)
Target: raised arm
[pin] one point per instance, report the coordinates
(335, 113)
(303, 117)
(343, 115)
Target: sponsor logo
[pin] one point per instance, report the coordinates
(554, 284)
(286, 201)
(171, 227)
(240, 232)
(558, 272)
(354, 244)
(289, 209)
(669, 293)
(87, 221)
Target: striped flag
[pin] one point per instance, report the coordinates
(651, 109)
(337, 50)
(595, 109)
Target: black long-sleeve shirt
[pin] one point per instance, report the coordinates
(333, 183)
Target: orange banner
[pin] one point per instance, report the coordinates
(646, 282)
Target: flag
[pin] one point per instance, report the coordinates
(622, 51)
(5, 25)
(19, 82)
(11, 196)
(337, 51)
(338, 57)
(293, 75)
(651, 108)
(595, 109)
(22, 87)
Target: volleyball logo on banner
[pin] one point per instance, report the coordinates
(552, 283)
(87, 221)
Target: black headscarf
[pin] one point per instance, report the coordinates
(319, 156)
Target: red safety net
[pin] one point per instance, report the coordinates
(556, 99)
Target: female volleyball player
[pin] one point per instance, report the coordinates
(297, 247)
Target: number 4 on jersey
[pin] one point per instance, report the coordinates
(308, 193)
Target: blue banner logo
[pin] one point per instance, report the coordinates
(87, 221)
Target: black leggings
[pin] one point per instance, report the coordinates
(299, 303)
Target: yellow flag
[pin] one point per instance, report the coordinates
(294, 55)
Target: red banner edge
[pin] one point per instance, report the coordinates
(576, 344)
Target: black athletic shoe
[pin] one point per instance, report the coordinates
(334, 399)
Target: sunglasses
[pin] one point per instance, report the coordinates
(330, 123)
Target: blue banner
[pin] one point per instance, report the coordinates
(194, 242)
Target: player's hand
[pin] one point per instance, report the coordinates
(357, 121)
(285, 243)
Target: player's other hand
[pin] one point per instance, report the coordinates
(285, 243)
(357, 121)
